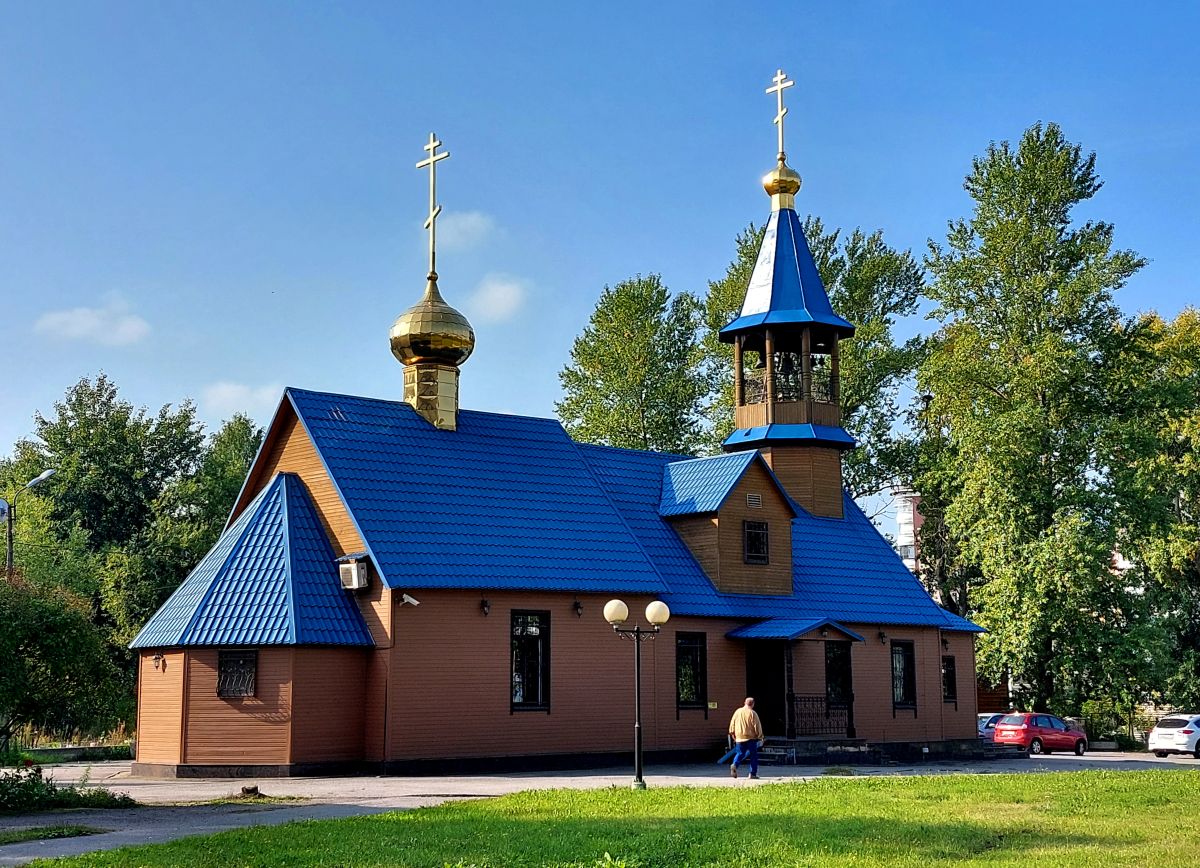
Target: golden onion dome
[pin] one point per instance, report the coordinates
(432, 331)
(782, 179)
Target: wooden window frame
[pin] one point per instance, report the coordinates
(908, 653)
(950, 696)
(231, 679)
(693, 642)
(544, 634)
(761, 527)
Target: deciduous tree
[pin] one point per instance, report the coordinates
(636, 377)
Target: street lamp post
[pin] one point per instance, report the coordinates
(616, 613)
(12, 516)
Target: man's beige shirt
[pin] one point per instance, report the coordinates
(745, 725)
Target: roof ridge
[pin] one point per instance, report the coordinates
(627, 449)
(288, 580)
(338, 489)
(252, 513)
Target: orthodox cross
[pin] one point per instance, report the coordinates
(434, 208)
(781, 82)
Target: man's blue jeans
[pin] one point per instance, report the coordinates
(747, 749)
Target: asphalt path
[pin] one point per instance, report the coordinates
(166, 815)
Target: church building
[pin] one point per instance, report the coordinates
(405, 585)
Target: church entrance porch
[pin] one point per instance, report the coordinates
(802, 689)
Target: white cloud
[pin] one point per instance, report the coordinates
(222, 399)
(497, 298)
(112, 325)
(460, 230)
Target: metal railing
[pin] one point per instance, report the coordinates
(816, 714)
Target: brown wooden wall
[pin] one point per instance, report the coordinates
(160, 707)
(328, 709)
(451, 690)
(699, 534)
(933, 718)
(716, 542)
(251, 731)
(451, 665)
(289, 449)
(736, 576)
(812, 475)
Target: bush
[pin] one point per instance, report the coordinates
(27, 789)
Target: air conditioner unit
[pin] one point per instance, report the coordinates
(353, 575)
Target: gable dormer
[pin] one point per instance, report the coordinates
(733, 516)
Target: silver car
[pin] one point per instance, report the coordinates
(986, 723)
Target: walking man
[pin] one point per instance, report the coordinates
(747, 732)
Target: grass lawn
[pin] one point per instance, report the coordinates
(43, 833)
(1059, 819)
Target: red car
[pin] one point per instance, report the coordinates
(1040, 733)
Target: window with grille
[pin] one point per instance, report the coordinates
(949, 680)
(904, 675)
(755, 546)
(236, 671)
(691, 670)
(531, 661)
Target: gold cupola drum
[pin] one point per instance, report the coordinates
(431, 339)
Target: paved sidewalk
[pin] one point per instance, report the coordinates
(165, 819)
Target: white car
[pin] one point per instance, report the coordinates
(1178, 732)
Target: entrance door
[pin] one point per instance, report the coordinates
(766, 681)
(839, 686)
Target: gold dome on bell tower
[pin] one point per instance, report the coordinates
(431, 339)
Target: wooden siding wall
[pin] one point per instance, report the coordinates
(451, 693)
(735, 575)
(812, 475)
(328, 688)
(289, 450)
(160, 707)
(933, 718)
(699, 534)
(250, 731)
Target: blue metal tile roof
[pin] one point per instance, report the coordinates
(785, 286)
(701, 485)
(844, 569)
(788, 628)
(271, 579)
(778, 433)
(501, 502)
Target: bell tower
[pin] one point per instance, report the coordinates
(431, 339)
(787, 390)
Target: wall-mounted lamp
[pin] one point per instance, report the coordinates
(578, 607)
(824, 632)
(485, 606)
(945, 644)
(157, 658)
(882, 638)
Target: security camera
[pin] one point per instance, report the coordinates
(405, 598)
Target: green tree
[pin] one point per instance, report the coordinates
(1024, 298)
(869, 284)
(113, 460)
(57, 673)
(1151, 447)
(636, 377)
(186, 520)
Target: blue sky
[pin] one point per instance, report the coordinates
(214, 200)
